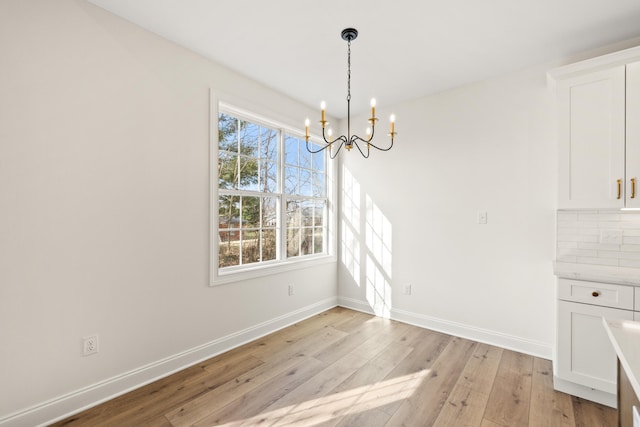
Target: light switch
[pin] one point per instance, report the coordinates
(482, 217)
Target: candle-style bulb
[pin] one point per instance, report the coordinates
(373, 108)
(323, 119)
(329, 133)
(368, 131)
(307, 122)
(392, 119)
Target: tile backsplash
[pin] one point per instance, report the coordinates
(600, 237)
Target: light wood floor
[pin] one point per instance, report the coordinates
(345, 368)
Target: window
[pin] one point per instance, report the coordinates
(272, 195)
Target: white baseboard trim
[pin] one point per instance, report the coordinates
(511, 342)
(604, 398)
(355, 304)
(79, 400)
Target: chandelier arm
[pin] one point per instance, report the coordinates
(354, 142)
(383, 149)
(318, 150)
(341, 137)
(366, 141)
(333, 155)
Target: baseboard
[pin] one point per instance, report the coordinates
(79, 400)
(522, 345)
(355, 304)
(588, 393)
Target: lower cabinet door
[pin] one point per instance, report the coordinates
(585, 353)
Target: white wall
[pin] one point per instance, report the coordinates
(409, 216)
(104, 210)
(488, 146)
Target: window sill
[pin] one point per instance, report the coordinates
(265, 270)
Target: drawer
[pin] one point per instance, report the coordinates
(596, 293)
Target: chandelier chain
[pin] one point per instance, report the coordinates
(349, 71)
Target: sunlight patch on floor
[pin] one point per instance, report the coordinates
(337, 405)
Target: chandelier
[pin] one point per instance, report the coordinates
(349, 141)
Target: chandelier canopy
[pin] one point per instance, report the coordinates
(349, 141)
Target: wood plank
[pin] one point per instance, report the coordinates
(282, 359)
(468, 399)
(250, 408)
(588, 413)
(487, 423)
(549, 408)
(371, 418)
(424, 403)
(353, 340)
(509, 400)
(428, 345)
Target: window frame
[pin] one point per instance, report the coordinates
(219, 276)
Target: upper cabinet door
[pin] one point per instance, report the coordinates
(592, 140)
(633, 136)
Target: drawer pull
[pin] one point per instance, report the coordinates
(595, 293)
(619, 181)
(633, 188)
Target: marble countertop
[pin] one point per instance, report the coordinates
(597, 273)
(625, 336)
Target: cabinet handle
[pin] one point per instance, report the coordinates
(595, 293)
(619, 188)
(633, 188)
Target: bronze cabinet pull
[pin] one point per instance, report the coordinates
(619, 188)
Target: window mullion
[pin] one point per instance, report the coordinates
(282, 226)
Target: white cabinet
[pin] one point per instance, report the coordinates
(592, 138)
(585, 356)
(633, 136)
(599, 136)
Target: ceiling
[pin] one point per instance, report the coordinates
(405, 49)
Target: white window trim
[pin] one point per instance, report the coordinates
(254, 271)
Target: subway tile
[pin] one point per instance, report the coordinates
(630, 263)
(630, 248)
(630, 255)
(599, 217)
(596, 261)
(580, 224)
(630, 240)
(565, 245)
(599, 246)
(577, 252)
(609, 254)
(567, 216)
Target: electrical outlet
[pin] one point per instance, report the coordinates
(90, 345)
(613, 237)
(290, 289)
(406, 290)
